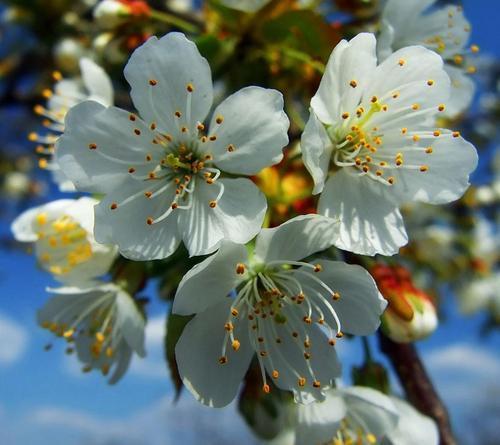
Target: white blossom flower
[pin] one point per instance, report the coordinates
(285, 311)
(360, 415)
(94, 84)
(479, 294)
(370, 144)
(245, 5)
(444, 30)
(101, 321)
(162, 174)
(64, 244)
(111, 13)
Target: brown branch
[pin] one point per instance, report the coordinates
(417, 385)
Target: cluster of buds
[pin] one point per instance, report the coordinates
(411, 314)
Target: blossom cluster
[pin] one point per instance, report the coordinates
(185, 170)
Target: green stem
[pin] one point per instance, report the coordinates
(171, 19)
(303, 57)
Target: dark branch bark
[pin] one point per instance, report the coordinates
(417, 385)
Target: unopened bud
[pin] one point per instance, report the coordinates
(411, 314)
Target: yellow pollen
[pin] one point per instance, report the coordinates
(152, 126)
(336, 296)
(416, 138)
(153, 82)
(317, 384)
(471, 69)
(213, 138)
(275, 374)
(430, 82)
(240, 268)
(428, 150)
(474, 48)
(374, 99)
(57, 76)
(99, 336)
(366, 169)
(318, 268)
(456, 134)
(137, 131)
(212, 204)
(177, 114)
(113, 206)
(340, 334)
(371, 438)
(41, 219)
(395, 95)
(132, 117)
(404, 130)
(69, 333)
(219, 119)
(415, 107)
(174, 205)
(228, 327)
(149, 221)
(401, 62)
(390, 180)
(109, 352)
(266, 388)
(92, 146)
(236, 345)
(353, 83)
(302, 381)
(424, 168)
(307, 355)
(131, 170)
(190, 87)
(441, 107)
(42, 163)
(379, 172)
(437, 133)
(458, 59)
(230, 148)
(345, 115)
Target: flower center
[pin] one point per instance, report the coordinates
(62, 243)
(282, 303)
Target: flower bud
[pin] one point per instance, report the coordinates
(411, 314)
(112, 13)
(67, 54)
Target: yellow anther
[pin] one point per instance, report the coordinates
(390, 180)
(436, 133)
(401, 62)
(275, 374)
(474, 48)
(456, 134)
(234, 312)
(41, 219)
(404, 130)
(99, 336)
(240, 268)
(345, 115)
(428, 150)
(441, 107)
(153, 82)
(415, 107)
(228, 327)
(266, 388)
(471, 69)
(424, 168)
(43, 163)
(318, 267)
(235, 345)
(302, 381)
(109, 352)
(69, 333)
(219, 119)
(190, 87)
(336, 296)
(230, 148)
(353, 83)
(340, 334)
(416, 138)
(212, 204)
(57, 76)
(316, 384)
(458, 59)
(331, 342)
(372, 439)
(430, 82)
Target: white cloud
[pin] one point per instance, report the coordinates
(162, 423)
(466, 358)
(13, 340)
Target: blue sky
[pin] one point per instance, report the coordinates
(44, 399)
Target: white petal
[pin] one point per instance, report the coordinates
(369, 222)
(127, 225)
(360, 305)
(413, 428)
(451, 162)
(316, 149)
(210, 281)
(318, 422)
(406, 73)
(123, 362)
(255, 124)
(82, 210)
(97, 82)
(199, 349)
(23, 227)
(462, 90)
(296, 239)
(171, 64)
(237, 216)
(130, 322)
(377, 411)
(350, 61)
(117, 147)
(245, 5)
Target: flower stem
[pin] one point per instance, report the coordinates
(178, 22)
(417, 384)
(303, 57)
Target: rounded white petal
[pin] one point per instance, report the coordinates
(100, 144)
(254, 126)
(447, 168)
(316, 149)
(412, 428)
(296, 239)
(369, 222)
(127, 224)
(378, 412)
(353, 63)
(360, 305)
(160, 73)
(462, 90)
(97, 82)
(198, 351)
(237, 216)
(317, 423)
(130, 321)
(210, 281)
